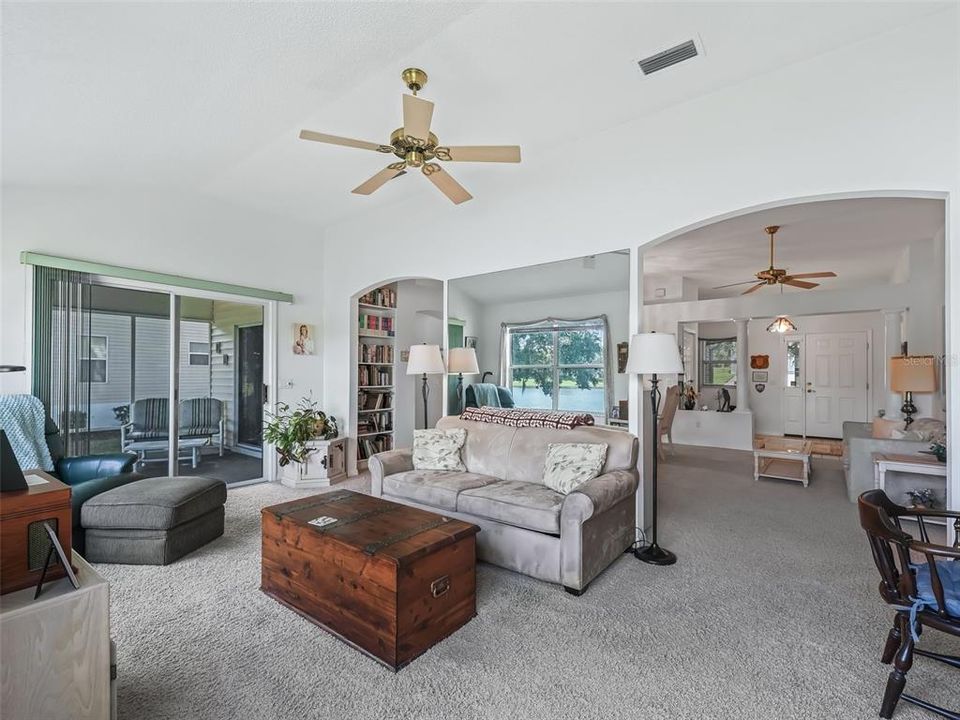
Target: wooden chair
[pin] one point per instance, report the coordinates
(665, 422)
(925, 593)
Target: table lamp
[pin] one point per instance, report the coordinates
(910, 374)
(654, 354)
(425, 360)
(462, 360)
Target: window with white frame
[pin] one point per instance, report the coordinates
(558, 365)
(718, 361)
(199, 353)
(93, 358)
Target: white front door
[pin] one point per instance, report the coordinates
(794, 397)
(835, 382)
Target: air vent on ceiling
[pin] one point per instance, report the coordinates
(676, 54)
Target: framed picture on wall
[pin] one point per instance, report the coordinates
(622, 349)
(760, 376)
(470, 341)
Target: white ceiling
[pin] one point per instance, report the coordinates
(209, 97)
(608, 272)
(860, 240)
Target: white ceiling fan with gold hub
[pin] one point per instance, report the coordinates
(417, 147)
(779, 276)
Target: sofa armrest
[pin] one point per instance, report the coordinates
(73, 470)
(599, 495)
(388, 463)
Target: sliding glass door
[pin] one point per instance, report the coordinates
(105, 371)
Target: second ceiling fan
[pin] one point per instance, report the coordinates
(417, 147)
(779, 276)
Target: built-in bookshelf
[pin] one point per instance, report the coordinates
(376, 372)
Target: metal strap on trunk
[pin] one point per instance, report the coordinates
(315, 501)
(374, 547)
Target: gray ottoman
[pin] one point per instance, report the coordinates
(153, 521)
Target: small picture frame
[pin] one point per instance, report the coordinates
(760, 376)
(470, 341)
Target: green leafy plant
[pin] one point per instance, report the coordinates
(290, 430)
(922, 497)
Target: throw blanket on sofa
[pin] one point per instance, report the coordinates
(486, 395)
(521, 417)
(22, 419)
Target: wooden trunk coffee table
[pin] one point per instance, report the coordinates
(388, 579)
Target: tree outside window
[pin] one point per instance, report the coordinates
(718, 361)
(558, 367)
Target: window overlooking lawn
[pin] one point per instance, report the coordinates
(718, 361)
(558, 366)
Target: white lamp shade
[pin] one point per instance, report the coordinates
(653, 353)
(463, 360)
(425, 360)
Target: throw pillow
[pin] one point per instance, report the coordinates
(883, 428)
(569, 465)
(438, 449)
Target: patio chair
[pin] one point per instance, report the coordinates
(202, 417)
(924, 594)
(149, 422)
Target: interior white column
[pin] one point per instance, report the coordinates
(743, 367)
(892, 339)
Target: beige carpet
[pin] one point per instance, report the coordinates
(772, 612)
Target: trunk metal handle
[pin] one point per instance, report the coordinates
(440, 586)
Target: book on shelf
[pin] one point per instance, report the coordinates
(376, 324)
(370, 446)
(374, 400)
(376, 353)
(382, 297)
(372, 375)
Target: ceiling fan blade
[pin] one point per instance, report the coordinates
(800, 284)
(480, 153)
(381, 178)
(745, 282)
(348, 142)
(417, 114)
(447, 185)
(794, 276)
(753, 289)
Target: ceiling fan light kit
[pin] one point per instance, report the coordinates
(781, 325)
(779, 276)
(417, 147)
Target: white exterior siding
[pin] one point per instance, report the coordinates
(227, 316)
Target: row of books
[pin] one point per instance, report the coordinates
(374, 400)
(384, 297)
(376, 353)
(370, 446)
(376, 323)
(371, 375)
(375, 422)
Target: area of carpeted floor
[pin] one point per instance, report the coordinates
(771, 612)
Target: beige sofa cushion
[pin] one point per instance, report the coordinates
(519, 454)
(521, 504)
(437, 488)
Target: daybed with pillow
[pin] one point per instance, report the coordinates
(497, 481)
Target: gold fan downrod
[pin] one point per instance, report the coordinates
(771, 231)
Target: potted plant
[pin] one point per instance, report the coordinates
(922, 498)
(297, 434)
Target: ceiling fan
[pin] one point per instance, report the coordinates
(417, 147)
(778, 276)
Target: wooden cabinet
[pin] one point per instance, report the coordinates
(55, 650)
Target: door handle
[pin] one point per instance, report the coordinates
(266, 393)
(810, 391)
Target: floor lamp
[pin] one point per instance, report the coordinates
(425, 360)
(652, 354)
(462, 360)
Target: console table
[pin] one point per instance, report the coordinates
(55, 650)
(916, 464)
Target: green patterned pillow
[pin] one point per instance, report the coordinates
(569, 465)
(438, 449)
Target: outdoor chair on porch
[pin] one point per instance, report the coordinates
(925, 593)
(200, 420)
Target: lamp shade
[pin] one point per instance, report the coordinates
(463, 360)
(782, 324)
(425, 360)
(913, 373)
(653, 353)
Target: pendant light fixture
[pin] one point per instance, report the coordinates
(782, 324)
